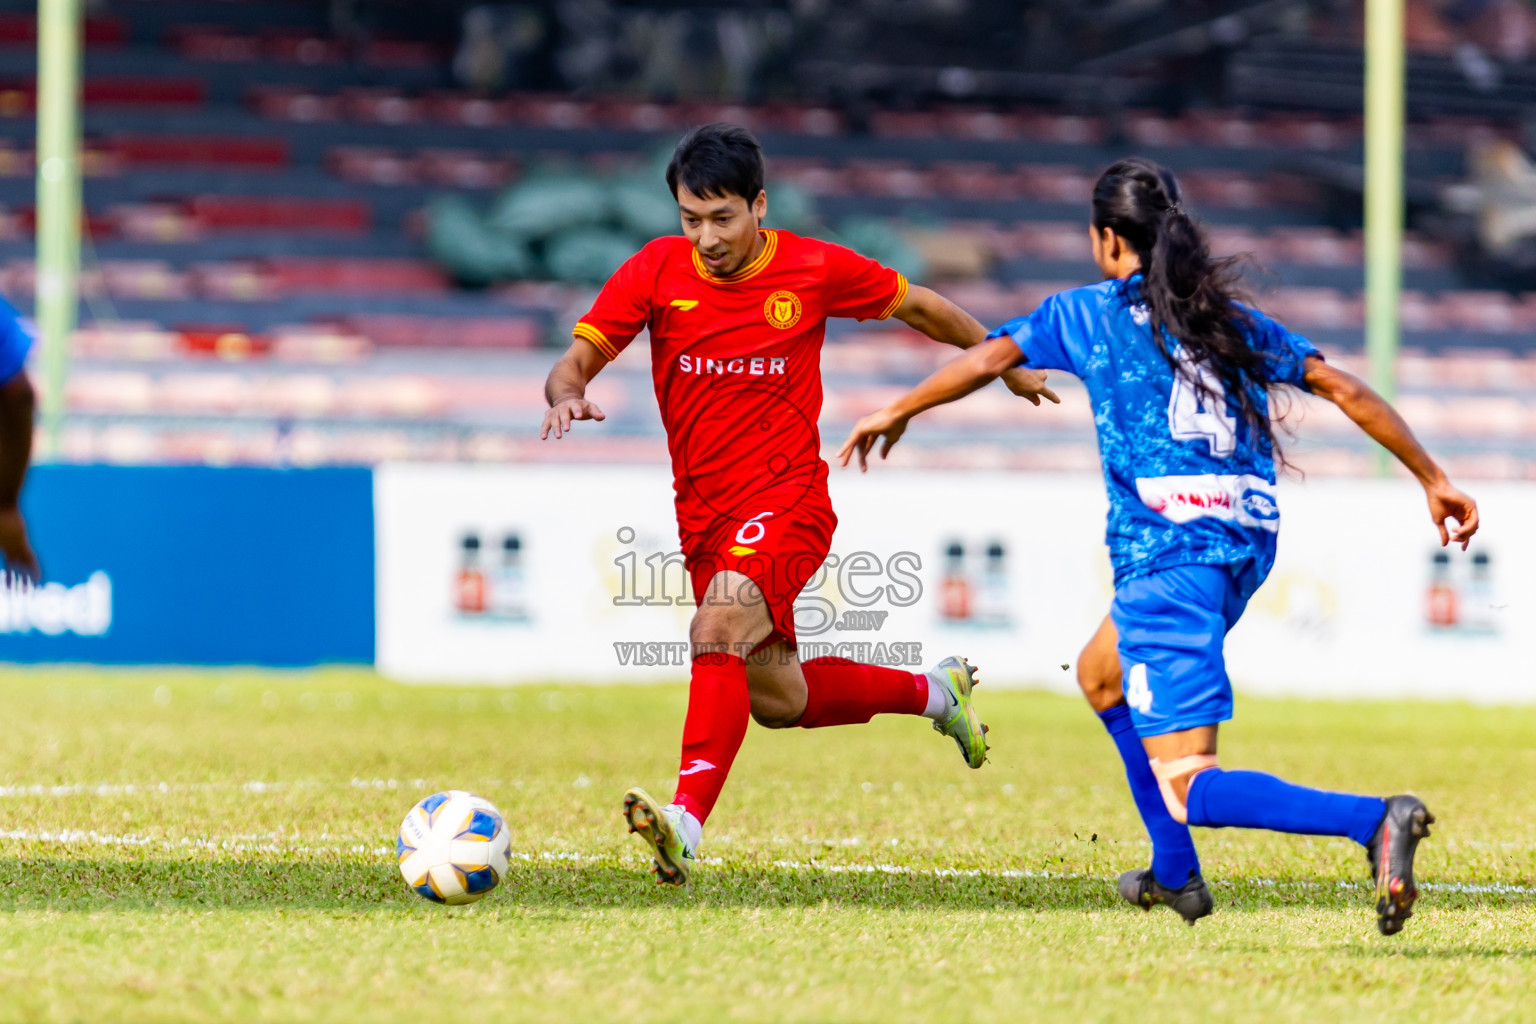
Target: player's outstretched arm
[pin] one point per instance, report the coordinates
(566, 388)
(17, 403)
(979, 367)
(927, 311)
(1374, 415)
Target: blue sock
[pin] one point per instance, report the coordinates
(1173, 851)
(1219, 799)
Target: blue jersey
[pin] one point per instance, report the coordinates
(1189, 483)
(15, 342)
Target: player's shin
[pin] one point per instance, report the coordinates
(1241, 799)
(718, 709)
(1174, 858)
(843, 692)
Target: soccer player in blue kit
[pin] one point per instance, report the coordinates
(1179, 374)
(17, 404)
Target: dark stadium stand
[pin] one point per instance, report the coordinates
(257, 287)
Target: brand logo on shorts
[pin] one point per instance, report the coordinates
(782, 309)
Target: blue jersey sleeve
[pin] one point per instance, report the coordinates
(15, 342)
(1055, 336)
(1285, 351)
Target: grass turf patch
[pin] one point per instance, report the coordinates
(218, 845)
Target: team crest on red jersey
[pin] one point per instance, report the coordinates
(782, 309)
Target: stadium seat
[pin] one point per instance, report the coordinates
(372, 165)
(286, 213)
(382, 106)
(291, 103)
(355, 275)
(204, 150)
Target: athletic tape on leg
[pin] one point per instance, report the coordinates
(1167, 771)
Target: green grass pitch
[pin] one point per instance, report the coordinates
(187, 845)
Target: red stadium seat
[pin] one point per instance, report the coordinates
(145, 279)
(891, 178)
(21, 30)
(242, 280)
(215, 43)
(205, 150)
(282, 213)
(304, 49)
(641, 116)
(225, 341)
(155, 222)
(904, 124)
(1419, 312)
(287, 103)
(399, 53)
(122, 91)
(552, 112)
(1316, 247)
(405, 331)
(1072, 129)
(1147, 129)
(1222, 128)
(472, 111)
(813, 175)
(1055, 184)
(372, 165)
(1229, 189)
(1481, 311)
(986, 125)
(462, 168)
(1313, 308)
(382, 106)
(318, 343)
(356, 275)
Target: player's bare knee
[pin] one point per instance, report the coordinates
(718, 627)
(776, 715)
(1099, 682)
(1173, 778)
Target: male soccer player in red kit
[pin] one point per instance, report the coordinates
(737, 314)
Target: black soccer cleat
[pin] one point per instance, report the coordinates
(1390, 853)
(1140, 888)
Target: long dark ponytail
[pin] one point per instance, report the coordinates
(1193, 299)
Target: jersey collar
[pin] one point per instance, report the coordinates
(770, 244)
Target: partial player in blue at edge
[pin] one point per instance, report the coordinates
(17, 407)
(1180, 375)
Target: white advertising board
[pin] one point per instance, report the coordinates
(542, 573)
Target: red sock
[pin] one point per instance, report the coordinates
(718, 709)
(843, 692)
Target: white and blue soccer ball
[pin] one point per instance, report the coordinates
(453, 847)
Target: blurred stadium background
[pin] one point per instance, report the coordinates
(340, 233)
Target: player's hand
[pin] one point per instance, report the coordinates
(883, 424)
(1446, 502)
(1030, 384)
(20, 559)
(561, 415)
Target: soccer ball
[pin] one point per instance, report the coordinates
(453, 847)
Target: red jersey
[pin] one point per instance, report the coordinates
(737, 363)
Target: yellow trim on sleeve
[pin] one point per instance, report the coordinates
(587, 332)
(901, 296)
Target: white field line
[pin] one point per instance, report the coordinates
(165, 788)
(266, 844)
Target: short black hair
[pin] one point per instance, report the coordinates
(717, 160)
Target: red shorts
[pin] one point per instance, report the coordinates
(779, 551)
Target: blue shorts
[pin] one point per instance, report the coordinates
(1172, 625)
